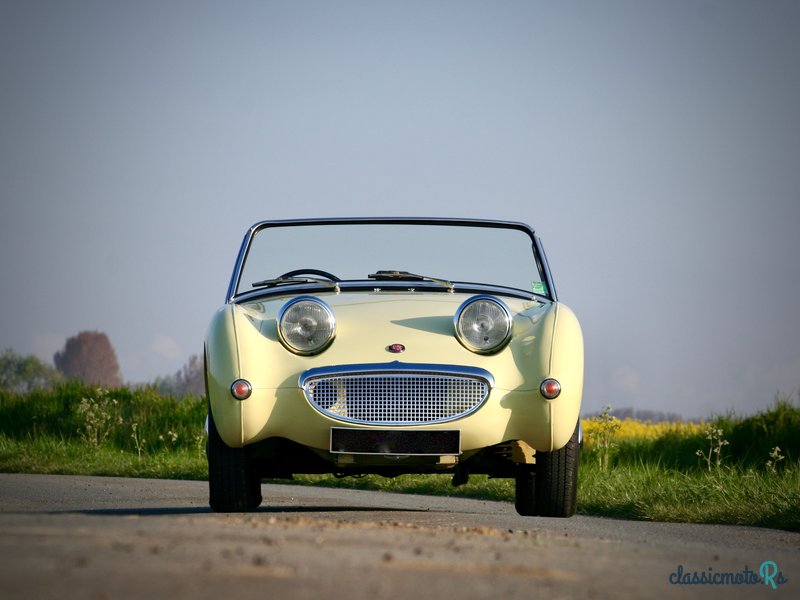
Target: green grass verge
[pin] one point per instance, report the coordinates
(54, 456)
(729, 495)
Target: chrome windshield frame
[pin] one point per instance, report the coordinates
(538, 251)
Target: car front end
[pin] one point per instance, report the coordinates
(337, 366)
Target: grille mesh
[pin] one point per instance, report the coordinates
(396, 398)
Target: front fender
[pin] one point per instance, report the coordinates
(222, 369)
(566, 365)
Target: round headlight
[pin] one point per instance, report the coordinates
(483, 324)
(306, 325)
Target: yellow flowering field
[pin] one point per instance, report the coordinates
(633, 429)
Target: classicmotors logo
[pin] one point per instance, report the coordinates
(767, 574)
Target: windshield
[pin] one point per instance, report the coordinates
(467, 253)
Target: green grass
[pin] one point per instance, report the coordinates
(49, 455)
(730, 495)
(162, 422)
(656, 480)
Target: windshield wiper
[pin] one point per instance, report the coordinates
(289, 280)
(406, 276)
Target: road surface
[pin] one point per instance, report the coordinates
(112, 538)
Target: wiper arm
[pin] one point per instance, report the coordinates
(406, 276)
(288, 280)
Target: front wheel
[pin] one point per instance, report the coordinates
(525, 493)
(233, 483)
(552, 491)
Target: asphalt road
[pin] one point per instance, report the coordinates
(111, 538)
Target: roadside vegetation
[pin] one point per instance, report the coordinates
(731, 469)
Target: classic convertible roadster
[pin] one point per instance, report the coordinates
(389, 346)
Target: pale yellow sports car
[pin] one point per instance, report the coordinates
(389, 346)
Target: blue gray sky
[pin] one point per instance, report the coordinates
(655, 146)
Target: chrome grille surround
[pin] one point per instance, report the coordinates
(396, 393)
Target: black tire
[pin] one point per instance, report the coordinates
(233, 483)
(552, 490)
(525, 493)
(557, 479)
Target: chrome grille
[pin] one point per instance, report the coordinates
(398, 397)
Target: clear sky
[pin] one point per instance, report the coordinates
(655, 146)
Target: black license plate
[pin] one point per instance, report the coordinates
(395, 442)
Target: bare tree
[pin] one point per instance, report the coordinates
(192, 376)
(189, 379)
(90, 358)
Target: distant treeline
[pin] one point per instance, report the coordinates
(88, 358)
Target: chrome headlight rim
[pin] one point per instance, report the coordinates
(459, 330)
(317, 348)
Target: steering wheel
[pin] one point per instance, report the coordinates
(316, 272)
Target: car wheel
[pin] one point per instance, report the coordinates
(525, 493)
(234, 484)
(551, 490)
(557, 479)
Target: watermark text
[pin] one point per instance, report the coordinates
(767, 574)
